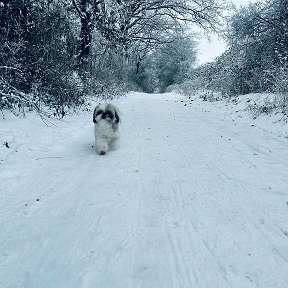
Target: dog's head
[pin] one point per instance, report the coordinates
(106, 112)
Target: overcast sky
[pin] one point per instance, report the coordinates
(208, 51)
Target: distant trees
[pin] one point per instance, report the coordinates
(36, 54)
(168, 65)
(133, 29)
(257, 58)
(55, 52)
(260, 34)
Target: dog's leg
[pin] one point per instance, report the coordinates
(101, 145)
(113, 143)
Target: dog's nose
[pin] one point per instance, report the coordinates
(107, 115)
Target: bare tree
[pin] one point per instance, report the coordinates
(128, 23)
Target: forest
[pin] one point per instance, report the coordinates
(58, 53)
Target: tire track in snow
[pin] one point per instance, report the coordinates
(183, 264)
(181, 203)
(228, 177)
(164, 210)
(231, 200)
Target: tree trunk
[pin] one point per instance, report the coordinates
(84, 44)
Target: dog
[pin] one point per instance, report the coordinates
(106, 119)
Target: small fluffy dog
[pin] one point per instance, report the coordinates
(106, 118)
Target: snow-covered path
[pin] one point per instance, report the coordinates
(188, 200)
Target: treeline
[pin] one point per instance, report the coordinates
(55, 52)
(257, 56)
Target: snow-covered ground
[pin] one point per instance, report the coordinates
(195, 196)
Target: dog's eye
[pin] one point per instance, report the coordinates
(99, 112)
(97, 116)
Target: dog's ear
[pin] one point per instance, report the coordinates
(117, 117)
(96, 113)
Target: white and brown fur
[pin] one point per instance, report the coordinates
(106, 118)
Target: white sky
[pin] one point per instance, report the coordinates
(208, 51)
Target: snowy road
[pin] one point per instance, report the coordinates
(188, 200)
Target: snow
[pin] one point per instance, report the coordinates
(195, 196)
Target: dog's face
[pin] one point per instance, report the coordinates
(106, 112)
